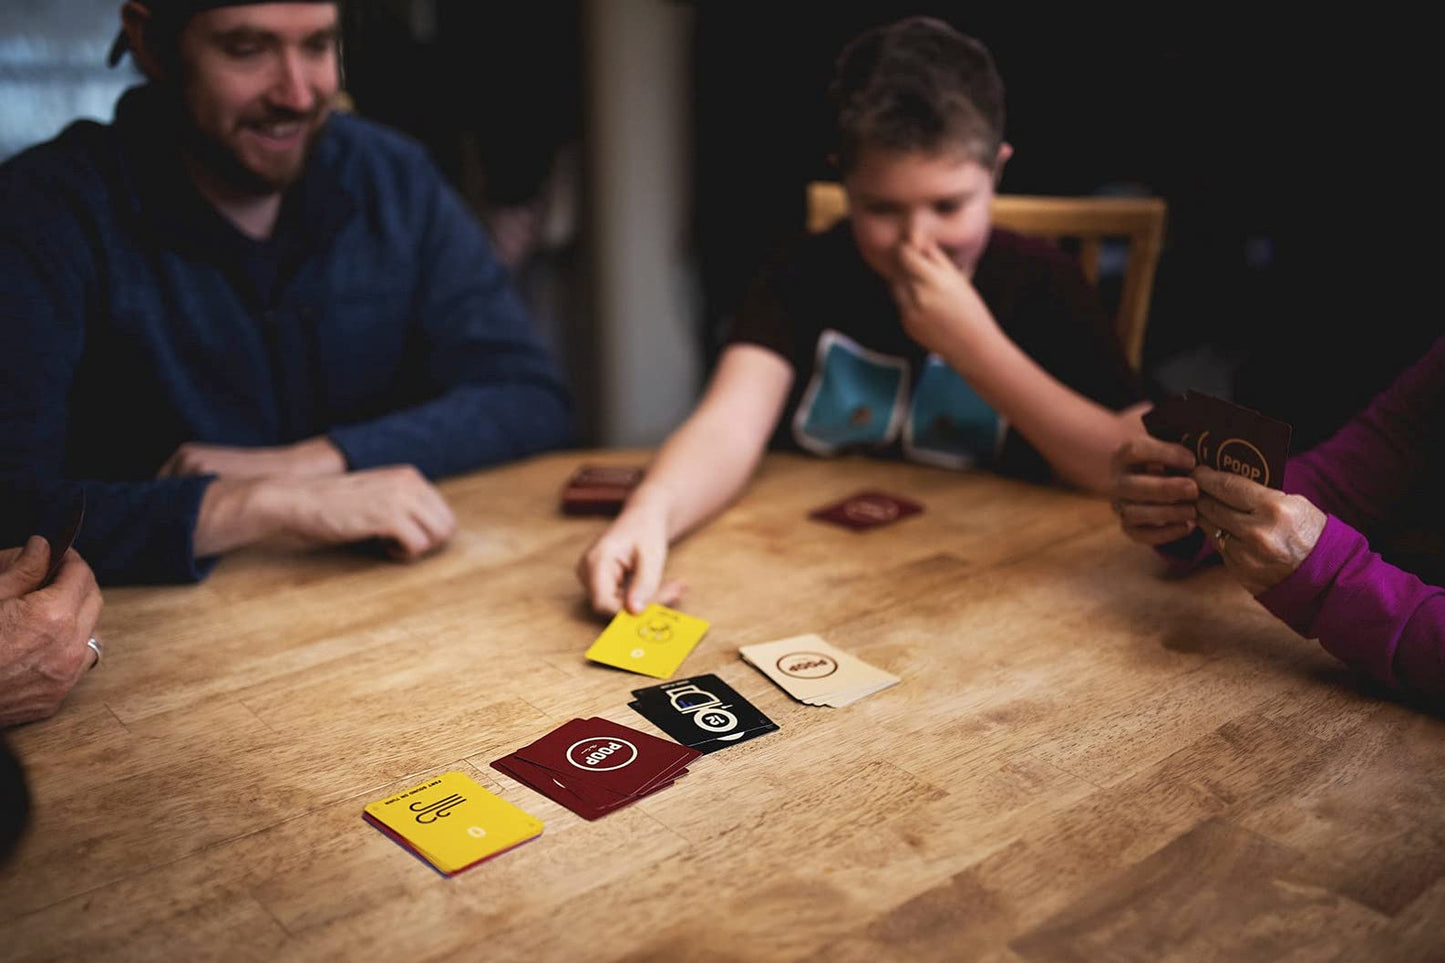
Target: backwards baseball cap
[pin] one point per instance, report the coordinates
(173, 14)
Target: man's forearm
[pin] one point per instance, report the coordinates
(471, 426)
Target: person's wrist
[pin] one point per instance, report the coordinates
(315, 456)
(651, 501)
(277, 504)
(237, 512)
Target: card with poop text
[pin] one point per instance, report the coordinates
(1223, 435)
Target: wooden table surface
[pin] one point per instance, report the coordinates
(1084, 760)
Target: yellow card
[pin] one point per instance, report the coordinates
(653, 643)
(452, 822)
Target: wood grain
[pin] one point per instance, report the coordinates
(1085, 759)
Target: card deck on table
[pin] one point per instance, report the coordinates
(653, 643)
(812, 671)
(59, 525)
(702, 712)
(599, 489)
(452, 822)
(1224, 435)
(866, 510)
(593, 766)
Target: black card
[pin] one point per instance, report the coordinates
(59, 524)
(702, 712)
(1224, 436)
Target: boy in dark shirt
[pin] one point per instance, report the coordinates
(913, 329)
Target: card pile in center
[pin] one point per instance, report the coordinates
(593, 766)
(812, 671)
(702, 712)
(653, 643)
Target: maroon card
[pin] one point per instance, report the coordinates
(599, 759)
(59, 532)
(542, 781)
(867, 510)
(593, 766)
(599, 489)
(1223, 435)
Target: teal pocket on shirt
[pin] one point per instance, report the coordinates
(855, 398)
(948, 423)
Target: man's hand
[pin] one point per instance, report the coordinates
(1153, 506)
(43, 634)
(941, 310)
(395, 504)
(627, 559)
(315, 456)
(1263, 535)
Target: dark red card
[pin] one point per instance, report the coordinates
(1224, 435)
(59, 530)
(599, 489)
(588, 755)
(867, 510)
(542, 781)
(593, 766)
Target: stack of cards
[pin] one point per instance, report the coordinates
(452, 823)
(599, 489)
(702, 712)
(812, 671)
(1224, 436)
(593, 766)
(653, 643)
(866, 510)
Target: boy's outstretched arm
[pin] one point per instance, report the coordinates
(700, 469)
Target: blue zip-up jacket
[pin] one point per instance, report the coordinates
(134, 318)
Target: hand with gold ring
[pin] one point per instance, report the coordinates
(1263, 535)
(46, 634)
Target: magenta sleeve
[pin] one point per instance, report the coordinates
(1371, 615)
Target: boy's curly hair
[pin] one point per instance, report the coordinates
(916, 84)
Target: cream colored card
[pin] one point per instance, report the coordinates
(812, 670)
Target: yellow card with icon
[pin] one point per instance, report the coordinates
(653, 643)
(452, 822)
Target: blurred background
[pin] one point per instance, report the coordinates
(635, 160)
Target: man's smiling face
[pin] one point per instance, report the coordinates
(258, 82)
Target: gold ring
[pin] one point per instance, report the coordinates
(1220, 537)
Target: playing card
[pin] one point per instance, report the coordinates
(59, 525)
(867, 510)
(812, 671)
(452, 822)
(593, 766)
(599, 489)
(653, 643)
(702, 712)
(545, 781)
(1224, 435)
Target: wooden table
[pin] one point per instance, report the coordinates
(1084, 760)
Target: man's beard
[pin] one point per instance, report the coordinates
(222, 161)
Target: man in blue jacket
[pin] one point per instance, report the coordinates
(231, 315)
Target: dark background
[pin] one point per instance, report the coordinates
(1295, 157)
